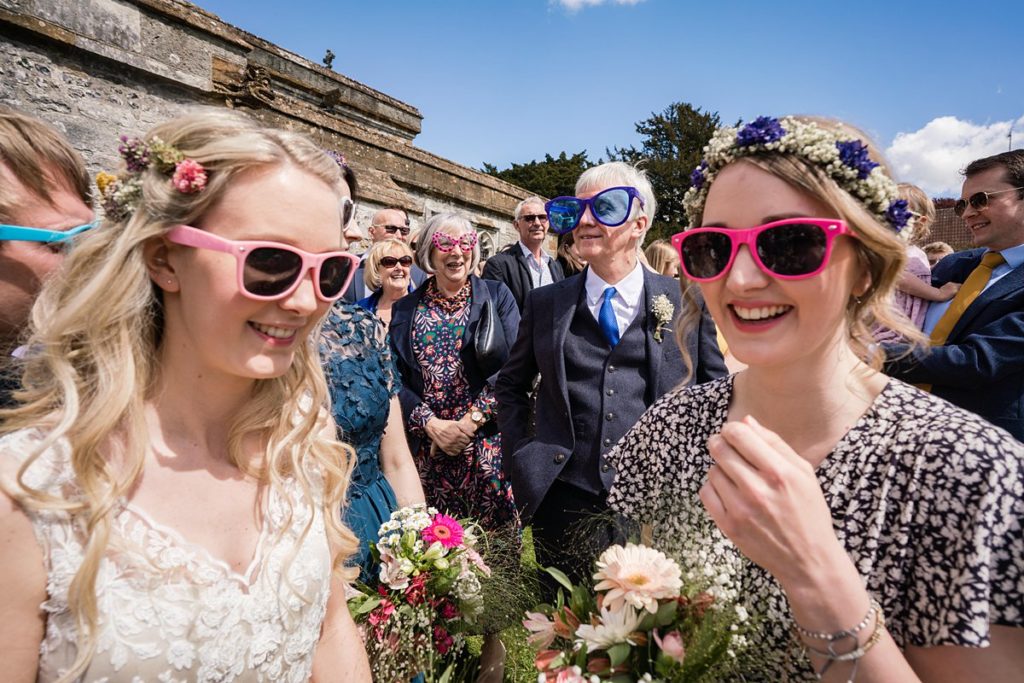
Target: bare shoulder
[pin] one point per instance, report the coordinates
(23, 577)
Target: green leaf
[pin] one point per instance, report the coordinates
(367, 606)
(560, 577)
(618, 653)
(667, 613)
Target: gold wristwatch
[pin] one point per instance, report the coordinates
(477, 417)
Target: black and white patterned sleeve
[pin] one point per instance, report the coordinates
(968, 564)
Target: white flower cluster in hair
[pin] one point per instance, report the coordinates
(803, 139)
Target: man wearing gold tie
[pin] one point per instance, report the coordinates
(976, 354)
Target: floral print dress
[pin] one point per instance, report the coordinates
(471, 483)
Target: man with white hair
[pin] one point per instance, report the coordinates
(603, 345)
(524, 266)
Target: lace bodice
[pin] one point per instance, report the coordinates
(168, 610)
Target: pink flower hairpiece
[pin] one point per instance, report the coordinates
(121, 194)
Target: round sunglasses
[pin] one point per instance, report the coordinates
(445, 243)
(791, 249)
(268, 271)
(978, 200)
(391, 261)
(609, 207)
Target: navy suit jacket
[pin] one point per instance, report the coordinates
(534, 462)
(357, 291)
(509, 266)
(981, 365)
(400, 333)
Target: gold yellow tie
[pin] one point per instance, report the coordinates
(969, 291)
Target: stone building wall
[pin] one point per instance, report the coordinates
(96, 69)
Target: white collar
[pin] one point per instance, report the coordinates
(630, 288)
(544, 258)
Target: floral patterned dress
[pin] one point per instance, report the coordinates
(471, 483)
(362, 380)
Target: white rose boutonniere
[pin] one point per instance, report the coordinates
(663, 310)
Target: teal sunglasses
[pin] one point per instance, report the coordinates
(17, 233)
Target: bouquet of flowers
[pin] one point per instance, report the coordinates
(430, 595)
(638, 622)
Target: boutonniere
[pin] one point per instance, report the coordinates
(663, 310)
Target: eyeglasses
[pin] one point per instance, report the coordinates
(17, 233)
(978, 200)
(268, 271)
(391, 261)
(791, 249)
(609, 207)
(392, 229)
(531, 217)
(348, 211)
(445, 243)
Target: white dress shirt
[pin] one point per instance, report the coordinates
(629, 292)
(540, 271)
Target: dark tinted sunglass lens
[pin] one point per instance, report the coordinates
(706, 254)
(979, 200)
(406, 261)
(611, 207)
(270, 271)
(333, 273)
(960, 207)
(348, 210)
(388, 261)
(563, 215)
(793, 249)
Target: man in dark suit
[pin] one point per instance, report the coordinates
(603, 346)
(386, 224)
(976, 358)
(524, 265)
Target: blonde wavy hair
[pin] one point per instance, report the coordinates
(95, 334)
(880, 251)
(372, 276)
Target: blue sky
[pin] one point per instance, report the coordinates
(935, 83)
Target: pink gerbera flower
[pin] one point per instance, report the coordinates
(444, 530)
(189, 176)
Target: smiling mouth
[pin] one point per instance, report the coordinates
(281, 333)
(760, 313)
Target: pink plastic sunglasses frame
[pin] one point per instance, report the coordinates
(830, 227)
(188, 236)
(445, 243)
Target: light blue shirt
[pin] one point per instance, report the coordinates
(1014, 258)
(540, 272)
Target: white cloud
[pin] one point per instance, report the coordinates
(933, 156)
(576, 5)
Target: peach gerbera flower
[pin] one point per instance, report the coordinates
(636, 575)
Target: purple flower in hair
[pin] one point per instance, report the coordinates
(338, 157)
(697, 177)
(898, 214)
(760, 131)
(854, 154)
(135, 153)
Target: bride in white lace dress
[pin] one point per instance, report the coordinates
(172, 479)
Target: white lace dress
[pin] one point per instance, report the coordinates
(168, 610)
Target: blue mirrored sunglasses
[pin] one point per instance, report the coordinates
(610, 207)
(18, 233)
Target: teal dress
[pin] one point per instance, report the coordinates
(361, 380)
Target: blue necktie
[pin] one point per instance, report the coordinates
(606, 318)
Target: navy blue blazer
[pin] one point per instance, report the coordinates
(509, 266)
(981, 365)
(534, 462)
(400, 333)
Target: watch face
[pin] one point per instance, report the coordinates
(476, 416)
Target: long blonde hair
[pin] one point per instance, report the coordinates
(880, 252)
(95, 334)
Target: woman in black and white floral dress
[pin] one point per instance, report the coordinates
(872, 530)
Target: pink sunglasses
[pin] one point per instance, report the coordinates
(268, 271)
(791, 249)
(445, 243)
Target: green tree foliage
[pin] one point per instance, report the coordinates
(552, 177)
(671, 148)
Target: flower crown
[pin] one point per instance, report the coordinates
(845, 160)
(122, 193)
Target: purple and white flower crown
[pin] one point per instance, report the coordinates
(121, 193)
(844, 159)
